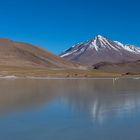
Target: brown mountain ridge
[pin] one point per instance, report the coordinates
(26, 55)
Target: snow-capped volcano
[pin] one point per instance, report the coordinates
(101, 49)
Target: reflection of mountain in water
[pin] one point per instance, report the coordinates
(105, 98)
(115, 106)
(101, 98)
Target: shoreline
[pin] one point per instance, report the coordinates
(13, 77)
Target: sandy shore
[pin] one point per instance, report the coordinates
(64, 78)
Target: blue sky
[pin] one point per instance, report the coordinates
(58, 24)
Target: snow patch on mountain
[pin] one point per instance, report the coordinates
(66, 54)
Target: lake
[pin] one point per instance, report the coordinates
(74, 109)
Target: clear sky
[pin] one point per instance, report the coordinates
(58, 24)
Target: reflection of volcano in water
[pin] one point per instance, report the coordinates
(101, 98)
(106, 98)
(114, 107)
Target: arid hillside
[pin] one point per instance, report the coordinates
(24, 55)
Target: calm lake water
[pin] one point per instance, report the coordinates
(92, 109)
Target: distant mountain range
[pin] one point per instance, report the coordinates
(103, 53)
(100, 53)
